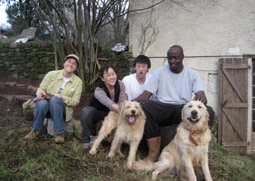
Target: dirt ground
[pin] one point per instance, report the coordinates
(24, 89)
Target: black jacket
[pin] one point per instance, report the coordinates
(98, 105)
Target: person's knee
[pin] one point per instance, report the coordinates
(55, 100)
(42, 104)
(86, 112)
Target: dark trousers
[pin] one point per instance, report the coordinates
(89, 116)
(162, 114)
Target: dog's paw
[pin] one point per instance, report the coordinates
(130, 165)
(111, 155)
(155, 175)
(93, 152)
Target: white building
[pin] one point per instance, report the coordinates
(206, 29)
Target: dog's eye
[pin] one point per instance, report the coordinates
(199, 107)
(128, 107)
(190, 106)
(136, 107)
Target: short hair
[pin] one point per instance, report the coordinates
(176, 46)
(105, 68)
(142, 59)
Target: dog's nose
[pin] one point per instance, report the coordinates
(133, 112)
(194, 113)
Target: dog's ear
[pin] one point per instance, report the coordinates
(141, 110)
(183, 112)
(206, 116)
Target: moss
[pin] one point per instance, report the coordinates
(41, 71)
(35, 59)
(44, 60)
(49, 69)
(26, 60)
(5, 49)
(27, 70)
(35, 44)
(21, 45)
(49, 49)
(38, 65)
(11, 54)
(33, 53)
(33, 75)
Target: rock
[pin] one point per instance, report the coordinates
(77, 129)
(50, 126)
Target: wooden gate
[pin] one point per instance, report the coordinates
(234, 115)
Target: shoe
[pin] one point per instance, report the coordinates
(32, 135)
(93, 138)
(86, 146)
(60, 139)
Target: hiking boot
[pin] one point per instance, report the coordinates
(32, 135)
(154, 149)
(60, 139)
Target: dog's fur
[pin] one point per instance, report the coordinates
(188, 149)
(129, 125)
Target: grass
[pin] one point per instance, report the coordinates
(44, 160)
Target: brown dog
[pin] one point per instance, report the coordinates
(188, 149)
(129, 126)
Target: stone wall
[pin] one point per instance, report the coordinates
(26, 60)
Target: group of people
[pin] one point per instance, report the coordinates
(162, 95)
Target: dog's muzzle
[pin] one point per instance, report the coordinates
(131, 118)
(193, 117)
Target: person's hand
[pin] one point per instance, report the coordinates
(41, 95)
(115, 107)
(200, 96)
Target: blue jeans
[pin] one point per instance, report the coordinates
(54, 108)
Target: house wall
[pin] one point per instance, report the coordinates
(206, 29)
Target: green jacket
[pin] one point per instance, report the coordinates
(71, 94)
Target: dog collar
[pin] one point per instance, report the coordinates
(197, 132)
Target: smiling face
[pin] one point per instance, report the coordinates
(109, 77)
(195, 114)
(70, 65)
(131, 111)
(175, 57)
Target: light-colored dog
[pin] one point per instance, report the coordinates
(188, 149)
(129, 125)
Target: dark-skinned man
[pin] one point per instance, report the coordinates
(173, 84)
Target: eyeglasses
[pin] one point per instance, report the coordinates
(71, 62)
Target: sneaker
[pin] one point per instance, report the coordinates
(32, 135)
(60, 139)
(93, 138)
(86, 146)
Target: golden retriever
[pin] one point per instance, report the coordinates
(129, 125)
(188, 149)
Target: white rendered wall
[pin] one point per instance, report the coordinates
(202, 27)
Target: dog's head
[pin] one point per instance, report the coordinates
(195, 115)
(131, 111)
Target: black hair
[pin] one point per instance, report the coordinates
(176, 46)
(105, 68)
(142, 59)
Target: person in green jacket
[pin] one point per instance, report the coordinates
(57, 95)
